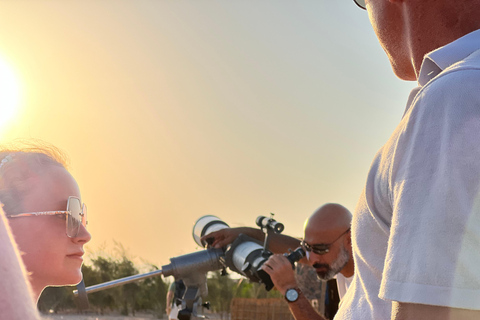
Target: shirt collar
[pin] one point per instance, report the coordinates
(442, 58)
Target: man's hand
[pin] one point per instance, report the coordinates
(283, 277)
(281, 272)
(224, 237)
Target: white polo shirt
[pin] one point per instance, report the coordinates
(416, 228)
(342, 284)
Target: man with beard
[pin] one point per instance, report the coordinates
(328, 248)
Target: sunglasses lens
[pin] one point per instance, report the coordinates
(75, 217)
(315, 248)
(320, 251)
(84, 215)
(361, 3)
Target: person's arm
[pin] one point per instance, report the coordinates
(433, 191)
(278, 243)
(170, 295)
(283, 277)
(16, 300)
(410, 311)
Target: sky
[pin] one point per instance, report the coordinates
(172, 110)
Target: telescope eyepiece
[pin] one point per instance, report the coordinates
(295, 256)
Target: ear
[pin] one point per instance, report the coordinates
(348, 244)
(348, 238)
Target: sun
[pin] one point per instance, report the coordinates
(9, 93)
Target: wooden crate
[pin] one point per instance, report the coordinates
(260, 309)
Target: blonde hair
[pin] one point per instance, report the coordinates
(19, 162)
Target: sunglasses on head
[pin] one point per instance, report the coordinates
(320, 248)
(76, 215)
(361, 4)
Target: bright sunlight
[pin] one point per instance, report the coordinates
(9, 93)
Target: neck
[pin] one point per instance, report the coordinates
(440, 24)
(36, 291)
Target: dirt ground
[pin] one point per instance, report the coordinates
(108, 317)
(93, 317)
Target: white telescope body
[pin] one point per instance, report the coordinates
(206, 225)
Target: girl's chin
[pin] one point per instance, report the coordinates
(71, 279)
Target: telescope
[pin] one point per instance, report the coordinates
(244, 256)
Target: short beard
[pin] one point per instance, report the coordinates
(336, 266)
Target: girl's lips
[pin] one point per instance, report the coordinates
(77, 255)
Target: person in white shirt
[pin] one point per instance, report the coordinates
(328, 248)
(416, 227)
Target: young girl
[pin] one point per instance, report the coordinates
(41, 201)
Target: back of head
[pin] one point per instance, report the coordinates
(21, 162)
(329, 217)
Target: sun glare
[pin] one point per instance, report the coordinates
(9, 93)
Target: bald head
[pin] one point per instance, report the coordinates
(329, 218)
(327, 227)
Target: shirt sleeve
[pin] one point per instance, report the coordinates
(16, 301)
(433, 254)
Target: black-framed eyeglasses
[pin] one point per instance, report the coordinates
(76, 215)
(320, 248)
(361, 4)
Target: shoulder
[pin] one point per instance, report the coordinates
(453, 94)
(458, 79)
(455, 83)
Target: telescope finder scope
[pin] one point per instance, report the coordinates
(270, 223)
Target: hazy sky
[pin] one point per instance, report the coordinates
(171, 110)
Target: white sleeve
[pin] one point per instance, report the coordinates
(433, 254)
(16, 301)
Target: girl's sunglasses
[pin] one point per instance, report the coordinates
(76, 215)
